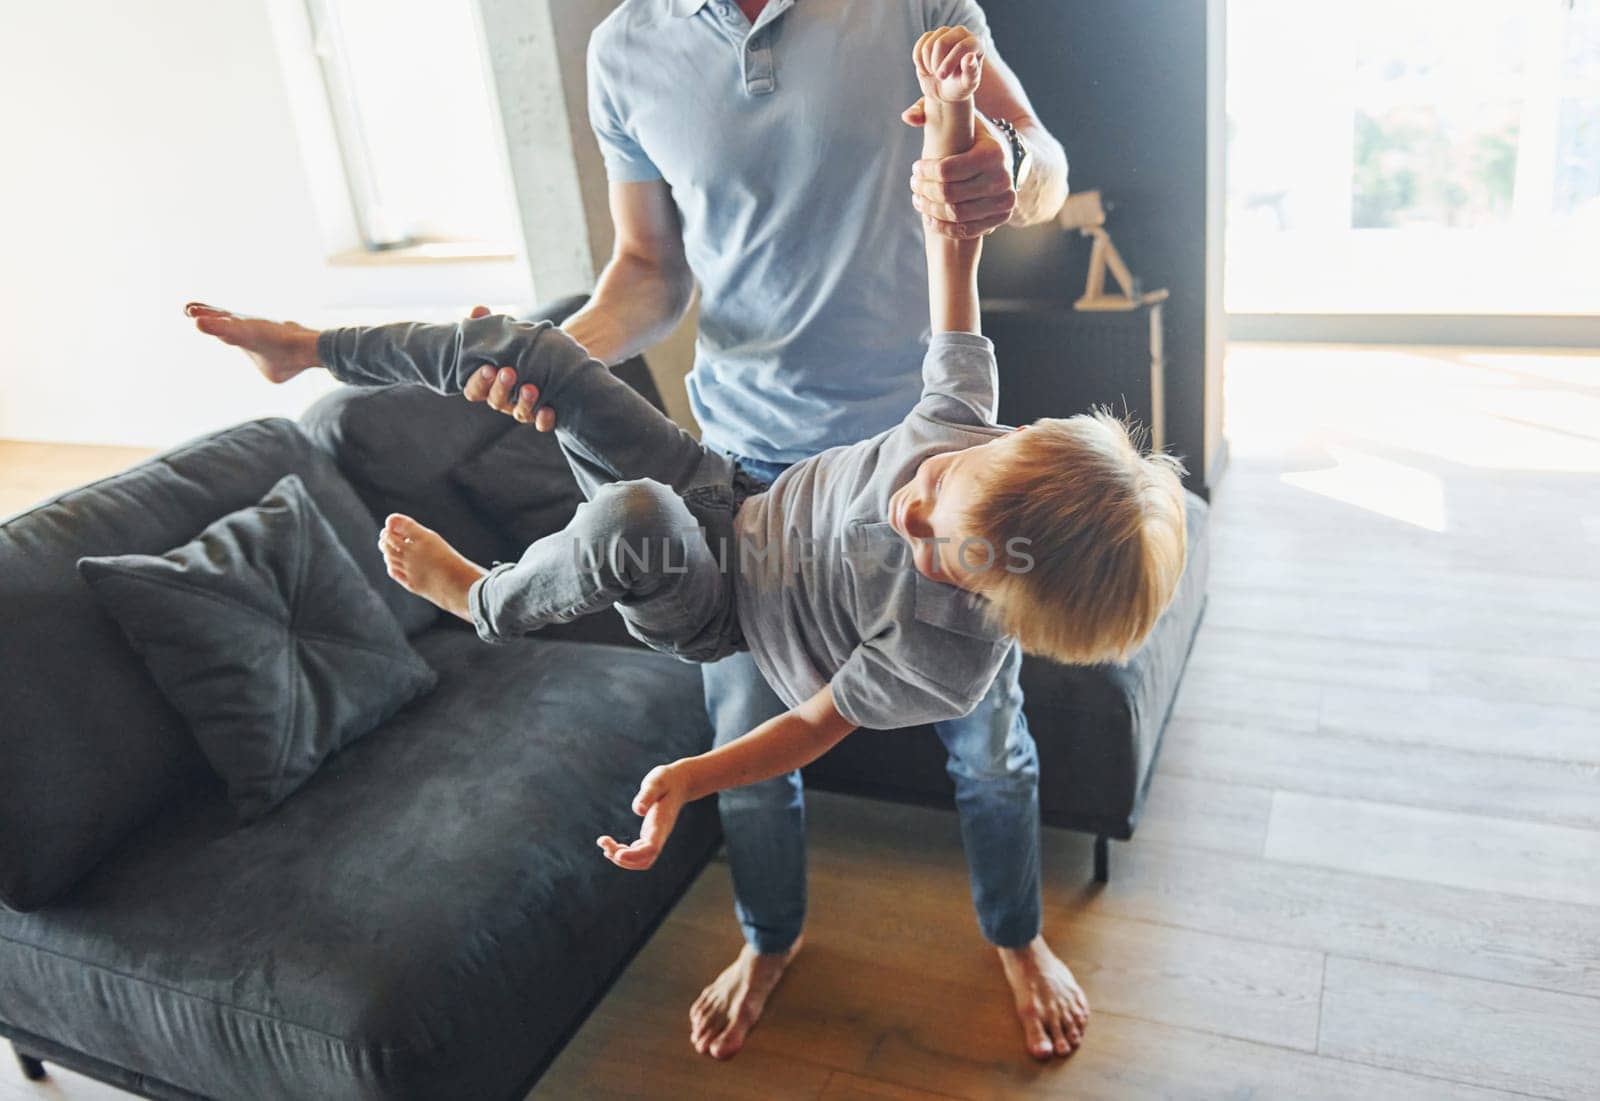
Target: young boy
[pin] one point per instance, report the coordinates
(878, 585)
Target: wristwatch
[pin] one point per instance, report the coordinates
(1021, 155)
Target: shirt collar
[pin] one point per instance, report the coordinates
(685, 8)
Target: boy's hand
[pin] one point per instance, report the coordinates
(967, 195)
(949, 64)
(494, 387)
(661, 796)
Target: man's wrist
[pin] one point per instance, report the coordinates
(1044, 181)
(588, 330)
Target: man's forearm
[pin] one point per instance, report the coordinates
(1044, 188)
(635, 305)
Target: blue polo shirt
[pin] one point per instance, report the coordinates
(782, 144)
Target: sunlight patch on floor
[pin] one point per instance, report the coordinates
(1513, 411)
(1378, 485)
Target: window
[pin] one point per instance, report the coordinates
(414, 117)
(1431, 156)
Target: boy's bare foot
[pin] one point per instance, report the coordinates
(1050, 1003)
(425, 564)
(279, 349)
(725, 1012)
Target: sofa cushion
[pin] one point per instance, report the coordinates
(264, 635)
(428, 917)
(89, 748)
(1102, 725)
(399, 445)
(521, 484)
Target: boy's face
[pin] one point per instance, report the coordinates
(930, 513)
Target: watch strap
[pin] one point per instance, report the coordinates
(1019, 149)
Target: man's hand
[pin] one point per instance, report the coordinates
(661, 796)
(969, 194)
(494, 387)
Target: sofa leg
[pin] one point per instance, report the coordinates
(1102, 859)
(32, 1068)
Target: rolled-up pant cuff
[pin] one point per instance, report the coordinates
(478, 607)
(770, 942)
(1016, 932)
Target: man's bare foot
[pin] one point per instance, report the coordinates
(1050, 1003)
(425, 564)
(279, 349)
(725, 1012)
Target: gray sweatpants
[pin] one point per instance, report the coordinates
(656, 532)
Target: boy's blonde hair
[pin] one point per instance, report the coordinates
(1105, 527)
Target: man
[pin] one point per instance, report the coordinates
(749, 149)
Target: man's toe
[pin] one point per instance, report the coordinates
(1038, 1040)
(704, 1025)
(1058, 1037)
(727, 1045)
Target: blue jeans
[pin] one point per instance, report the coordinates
(992, 761)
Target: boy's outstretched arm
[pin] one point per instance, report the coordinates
(778, 746)
(949, 64)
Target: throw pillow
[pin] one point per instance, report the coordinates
(265, 636)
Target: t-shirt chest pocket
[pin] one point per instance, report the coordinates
(878, 564)
(940, 632)
(956, 641)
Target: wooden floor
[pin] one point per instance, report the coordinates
(32, 472)
(1370, 864)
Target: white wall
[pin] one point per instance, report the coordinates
(150, 157)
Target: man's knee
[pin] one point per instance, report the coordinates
(738, 699)
(781, 794)
(991, 746)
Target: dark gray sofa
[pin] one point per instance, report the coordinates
(428, 917)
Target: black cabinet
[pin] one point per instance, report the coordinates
(1056, 361)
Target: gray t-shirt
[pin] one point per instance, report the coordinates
(835, 597)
